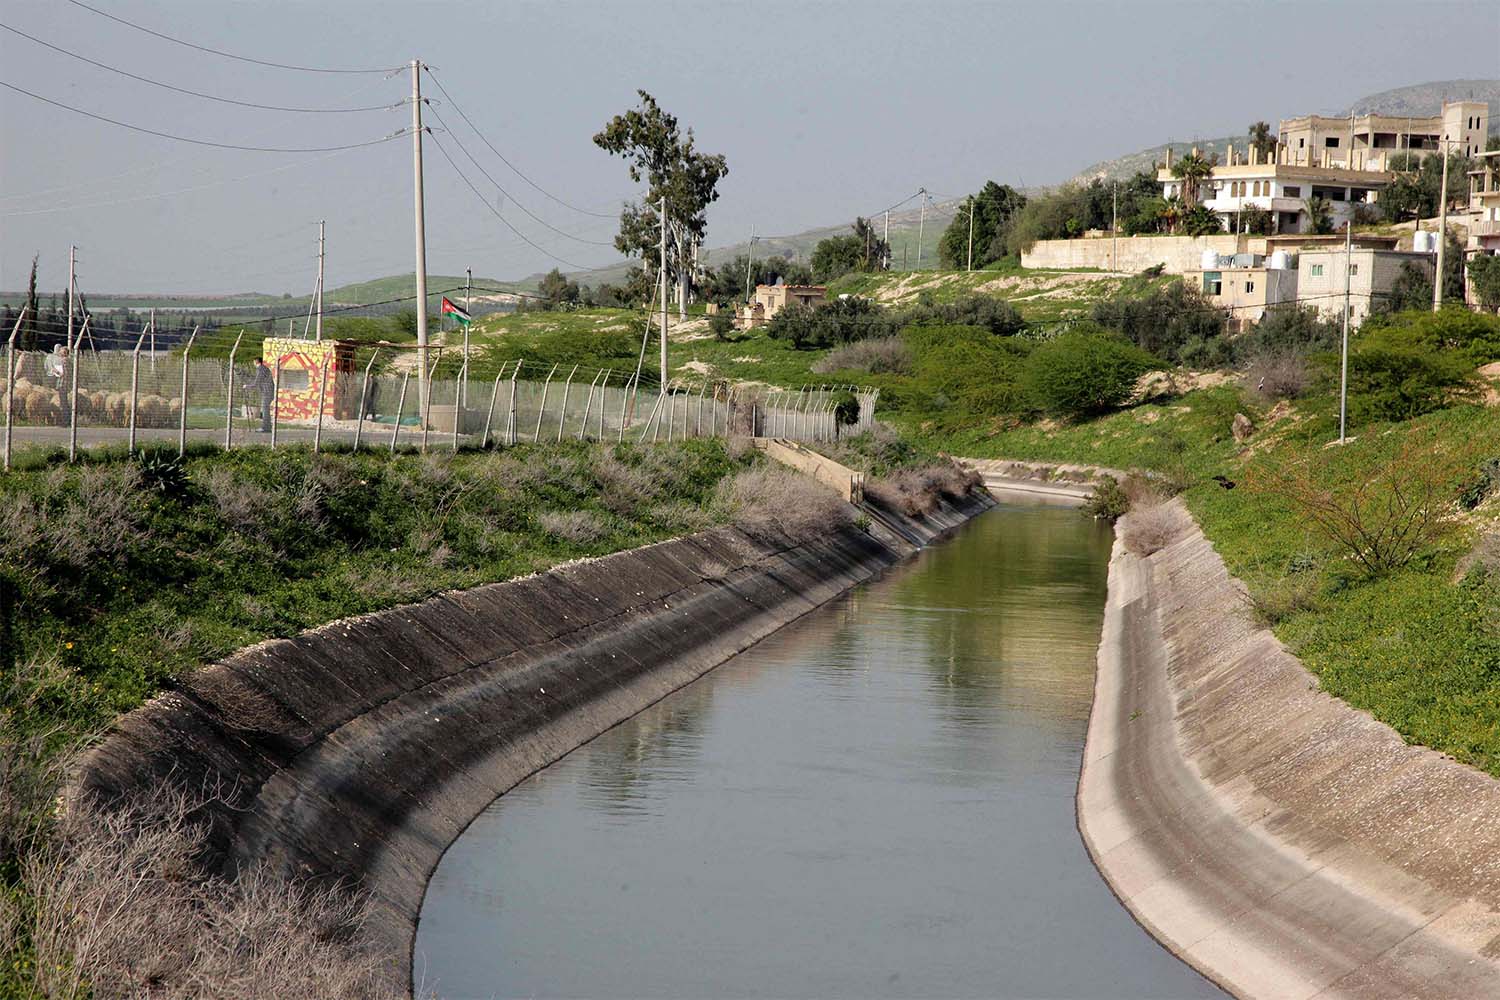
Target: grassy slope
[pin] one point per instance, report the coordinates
(1418, 649)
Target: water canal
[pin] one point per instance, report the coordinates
(875, 801)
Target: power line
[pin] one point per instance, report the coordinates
(226, 55)
(514, 201)
(200, 142)
(512, 166)
(111, 202)
(195, 93)
(485, 201)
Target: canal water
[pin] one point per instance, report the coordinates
(876, 801)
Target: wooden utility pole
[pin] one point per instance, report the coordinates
(921, 225)
(971, 232)
(1344, 351)
(1114, 228)
(318, 335)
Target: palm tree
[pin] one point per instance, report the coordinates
(1320, 215)
(1171, 214)
(1191, 170)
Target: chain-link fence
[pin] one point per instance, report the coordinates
(381, 395)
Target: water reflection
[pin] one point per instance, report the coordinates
(876, 801)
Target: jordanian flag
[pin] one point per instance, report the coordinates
(449, 309)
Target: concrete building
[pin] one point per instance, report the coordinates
(1364, 142)
(1484, 202)
(1246, 285)
(1371, 274)
(771, 299)
(1345, 161)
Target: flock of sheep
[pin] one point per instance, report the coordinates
(37, 404)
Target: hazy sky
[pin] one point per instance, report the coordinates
(824, 110)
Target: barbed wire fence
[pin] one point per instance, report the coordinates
(239, 391)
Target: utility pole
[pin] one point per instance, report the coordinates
(421, 232)
(921, 225)
(463, 399)
(663, 293)
(749, 259)
(1344, 350)
(1437, 279)
(885, 262)
(971, 232)
(1114, 228)
(72, 282)
(319, 328)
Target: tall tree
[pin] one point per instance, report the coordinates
(994, 206)
(28, 338)
(1262, 139)
(659, 151)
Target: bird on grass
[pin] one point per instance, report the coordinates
(1228, 484)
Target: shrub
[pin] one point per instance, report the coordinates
(1278, 374)
(1149, 529)
(123, 906)
(771, 499)
(967, 372)
(1108, 501)
(1395, 374)
(975, 309)
(1453, 328)
(1081, 374)
(721, 324)
(1162, 320)
(1484, 273)
(1289, 328)
(1380, 509)
(882, 355)
(840, 321)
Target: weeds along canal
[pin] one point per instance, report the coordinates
(875, 801)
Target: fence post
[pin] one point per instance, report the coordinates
(484, 442)
(510, 421)
(182, 417)
(698, 427)
(625, 402)
(425, 403)
(73, 391)
(588, 407)
(10, 383)
(603, 399)
(567, 388)
(460, 391)
(135, 390)
(651, 419)
(400, 407)
(229, 397)
(541, 410)
(322, 399)
(364, 397)
(275, 401)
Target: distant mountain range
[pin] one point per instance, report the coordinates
(1418, 100)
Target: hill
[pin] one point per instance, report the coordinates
(1417, 99)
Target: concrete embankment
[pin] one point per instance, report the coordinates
(1282, 842)
(359, 750)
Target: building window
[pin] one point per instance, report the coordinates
(1213, 282)
(1249, 286)
(1301, 142)
(1353, 269)
(1332, 142)
(1317, 270)
(1292, 191)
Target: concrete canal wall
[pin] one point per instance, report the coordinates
(360, 750)
(1284, 843)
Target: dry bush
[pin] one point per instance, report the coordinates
(1292, 595)
(581, 527)
(623, 489)
(1144, 491)
(1149, 529)
(244, 506)
(917, 492)
(29, 774)
(683, 517)
(876, 355)
(770, 498)
(1380, 509)
(123, 907)
(1278, 374)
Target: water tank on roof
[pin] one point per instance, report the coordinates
(1280, 261)
(1424, 242)
(1210, 260)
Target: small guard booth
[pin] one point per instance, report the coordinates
(300, 386)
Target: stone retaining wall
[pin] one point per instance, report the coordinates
(360, 750)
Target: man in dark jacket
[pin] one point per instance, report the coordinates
(264, 383)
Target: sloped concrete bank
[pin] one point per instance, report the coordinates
(1285, 844)
(360, 750)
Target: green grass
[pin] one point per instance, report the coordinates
(1418, 648)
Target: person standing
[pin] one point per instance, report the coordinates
(264, 383)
